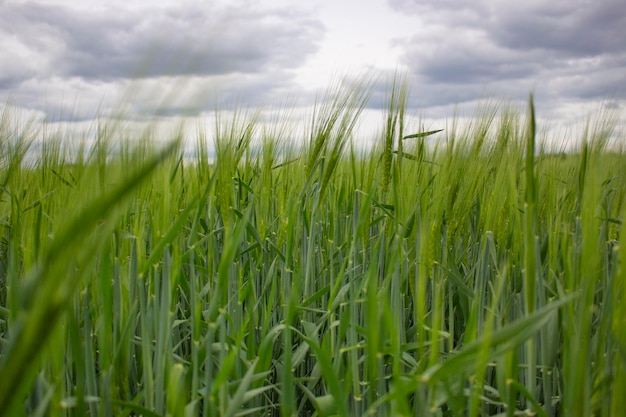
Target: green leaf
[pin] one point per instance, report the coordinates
(422, 134)
(500, 341)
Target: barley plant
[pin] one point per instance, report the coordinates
(469, 272)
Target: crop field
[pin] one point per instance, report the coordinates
(468, 272)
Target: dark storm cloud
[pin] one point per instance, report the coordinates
(579, 27)
(569, 28)
(574, 49)
(107, 44)
(75, 63)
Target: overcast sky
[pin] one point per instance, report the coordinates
(72, 59)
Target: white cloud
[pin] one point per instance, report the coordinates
(566, 51)
(108, 43)
(75, 58)
(71, 48)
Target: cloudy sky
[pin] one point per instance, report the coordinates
(69, 60)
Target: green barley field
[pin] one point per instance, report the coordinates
(468, 272)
